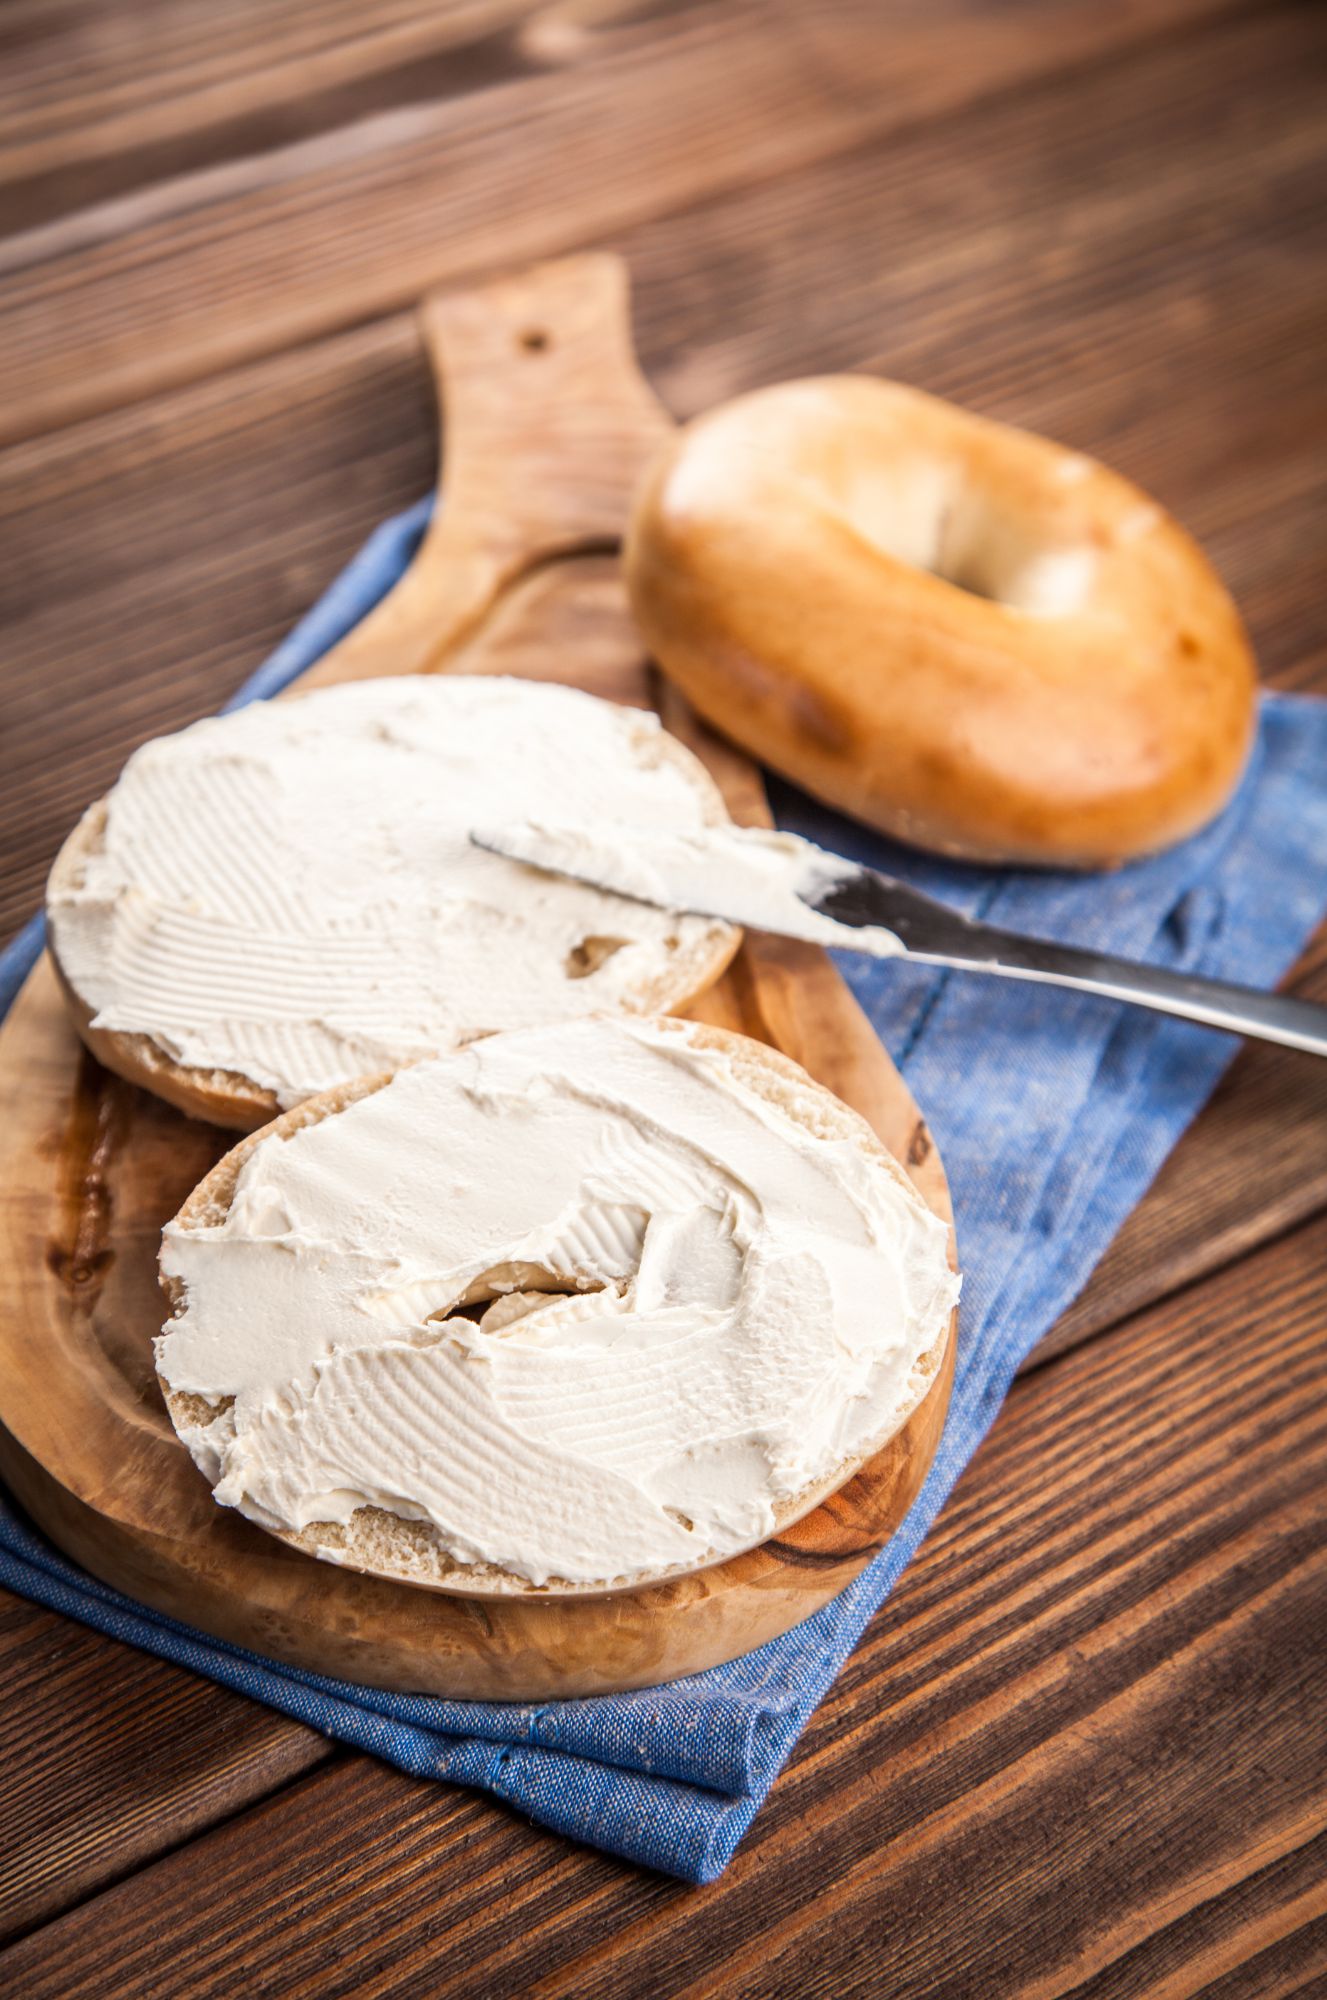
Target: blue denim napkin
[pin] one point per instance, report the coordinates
(1053, 1112)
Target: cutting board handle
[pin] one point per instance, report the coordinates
(546, 423)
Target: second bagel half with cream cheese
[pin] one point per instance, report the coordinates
(577, 1307)
(961, 633)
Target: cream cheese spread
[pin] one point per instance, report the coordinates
(289, 892)
(584, 1298)
(764, 880)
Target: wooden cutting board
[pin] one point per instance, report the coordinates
(548, 423)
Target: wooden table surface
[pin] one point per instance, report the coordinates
(1083, 1748)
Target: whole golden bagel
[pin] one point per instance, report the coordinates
(966, 635)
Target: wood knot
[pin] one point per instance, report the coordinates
(79, 1256)
(80, 1272)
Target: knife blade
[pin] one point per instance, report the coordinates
(782, 883)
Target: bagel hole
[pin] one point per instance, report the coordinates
(971, 578)
(505, 1278)
(586, 957)
(1001, 558)
(922, 514)
(508, 1293)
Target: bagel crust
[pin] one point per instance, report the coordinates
(974, 639)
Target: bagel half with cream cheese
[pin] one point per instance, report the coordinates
(575, 1308)
(972, 638)
(274, 901)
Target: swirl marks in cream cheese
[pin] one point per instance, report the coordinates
(593, 1301)
(289, 894)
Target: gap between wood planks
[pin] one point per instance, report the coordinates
(321, 1753)
(964, 1730)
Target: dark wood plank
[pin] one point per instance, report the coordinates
(97, 100)
(1081, 1749)
(211, 268)
(110, 1756)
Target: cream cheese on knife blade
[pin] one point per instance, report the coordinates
(748, 875)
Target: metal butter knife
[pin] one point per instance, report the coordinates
(781, 883)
